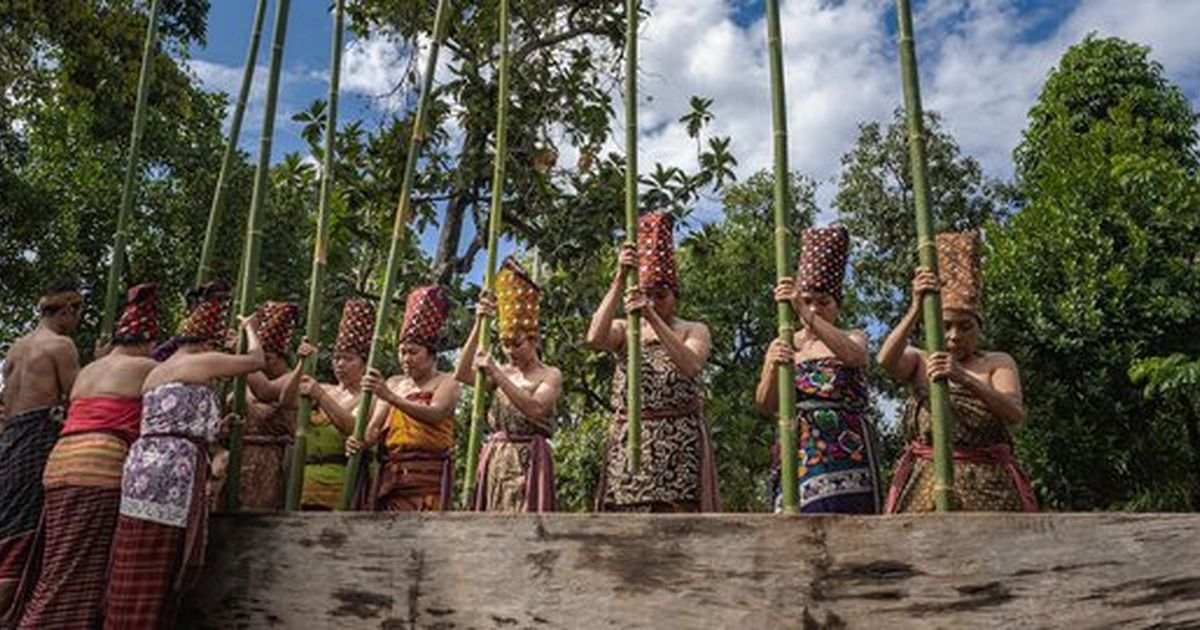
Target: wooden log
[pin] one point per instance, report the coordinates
(715, 571)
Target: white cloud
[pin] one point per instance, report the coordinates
(297, 87)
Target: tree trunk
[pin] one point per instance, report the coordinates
(445, 259)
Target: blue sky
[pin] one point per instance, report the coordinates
(982, 63)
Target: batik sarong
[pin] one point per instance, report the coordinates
(25, 443)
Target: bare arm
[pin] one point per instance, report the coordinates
(1002, 395)
(688, 352)
(464, 372)
(606, 332)
(342, 416)
(849, 346)
(211, 365)
(901, 361)
(537, 405)
(766, 395)
(66, 366)
(264, 389)
(442, 406)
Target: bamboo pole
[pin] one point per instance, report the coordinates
(783, 310)
(317, 285)
(939, 403)
(399, 229)
(633, 336)
(204, 272)
(117, 268)
(253, 246)
(479, 399)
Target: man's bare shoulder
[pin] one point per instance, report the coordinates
(998, 360)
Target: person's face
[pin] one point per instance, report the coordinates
(415, 359)
(276, 364)
(519, 348)
(822, 304)
(962, 333)
(348, 367)
(69, 317)
(663, 299)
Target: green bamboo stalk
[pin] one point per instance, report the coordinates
(783, 257)
(204, 272)
(399, 230)
(317, 286)
(253, 246)
(939, 403)
(479, 399)
(633, 336)
(117, 269)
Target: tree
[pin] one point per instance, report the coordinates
(1098, 269)
(875, 201)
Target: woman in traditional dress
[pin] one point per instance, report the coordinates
(516, 467)
(984, 388)
(836, 459)
(271, 401)
(333, 418)
(63, 584)
(677, 473)
(161, 529)
(414, 415)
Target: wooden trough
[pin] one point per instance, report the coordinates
(739, 571)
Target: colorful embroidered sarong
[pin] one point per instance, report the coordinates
(25, 444)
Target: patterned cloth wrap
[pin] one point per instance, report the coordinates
(356, 328)
(416, 471)
(139, 319)
(678, 471)
(960, 272)
(278, 322)
(836, 463)
(987, 477)
(518, 301)
(516, 466)
(656, 252)
(425, 312)
(822, 263)
(25, 444)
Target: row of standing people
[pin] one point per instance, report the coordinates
(125, 479)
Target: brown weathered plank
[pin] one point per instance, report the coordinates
(718, 571)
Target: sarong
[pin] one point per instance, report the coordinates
(64, 581)
(415, 480)
(525, 479)
(263, 473)
(142, 592)
(25, 444)
(971, 496)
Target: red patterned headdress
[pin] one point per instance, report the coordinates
(139, 319)
(207, 321)
(277, 322)
(656, 252)
(356, 328)
(424, 313)
(823, 256)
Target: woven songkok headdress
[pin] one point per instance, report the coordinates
(139, 318)
(823, 256)
(656, 252)
(277, 322)
(960, 273)
(356, 328)
(424, 313)
(518, 301)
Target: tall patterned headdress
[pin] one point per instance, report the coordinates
(139, 318)
(424, 313)
(960, 272)
(656, 252)
(823, 256)
(518, 301)
(277, 322)
(208, 318)
(356, 328)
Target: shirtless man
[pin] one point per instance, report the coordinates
(38, 373)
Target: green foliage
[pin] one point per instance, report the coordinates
(1096, 271)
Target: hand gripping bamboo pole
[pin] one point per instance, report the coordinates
(317, 283)
(939, 403)
(399, 229)
(479, 399)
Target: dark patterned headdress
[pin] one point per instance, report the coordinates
(959, 272)
(823, 256)
(208, 319)
(277, 322)
(517, 301)
(656, 252)
(139, 319)
(356, 328)
(424, 313)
